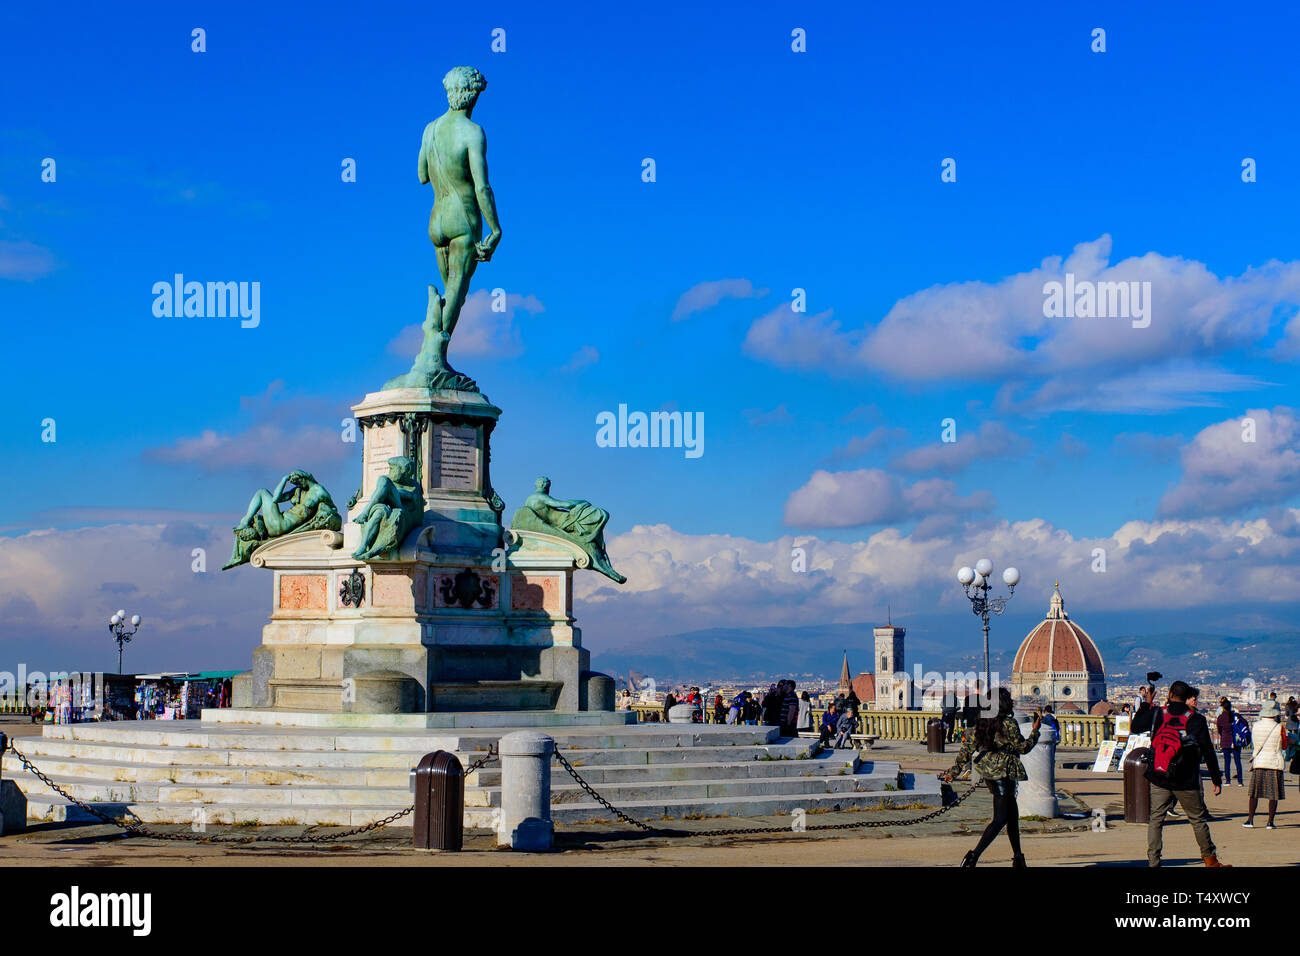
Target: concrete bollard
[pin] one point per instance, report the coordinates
(1037, 795)
(525, 822)
(682, 714)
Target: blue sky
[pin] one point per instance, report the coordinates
(817, 170)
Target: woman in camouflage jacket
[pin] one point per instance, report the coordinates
(996, 747)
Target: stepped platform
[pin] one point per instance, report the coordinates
(334, 770)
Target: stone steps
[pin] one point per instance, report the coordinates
(563, 791)
(233, 774)
(663, 812)
(823, 765)
(55, 810)
(158, 755)
(43, 751)
(191, 734)
(392, 770)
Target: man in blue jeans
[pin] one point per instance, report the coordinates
(1180, 782)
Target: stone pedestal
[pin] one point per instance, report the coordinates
(448, 434)
(465, 616)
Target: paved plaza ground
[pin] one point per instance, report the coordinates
(941, 842)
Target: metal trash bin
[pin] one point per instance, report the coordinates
(935, 734)
(1137, 791)
(438, 782)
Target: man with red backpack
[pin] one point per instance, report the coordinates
(1180, 742)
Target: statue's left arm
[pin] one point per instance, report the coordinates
(483, 193)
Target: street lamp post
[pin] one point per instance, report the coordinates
(976, 580)
(121, 633)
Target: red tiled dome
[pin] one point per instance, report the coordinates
(1057, 646)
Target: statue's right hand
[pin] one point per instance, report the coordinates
(484, 248)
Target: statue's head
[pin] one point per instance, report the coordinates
(543, 484)
(463, 85)
(401, 469)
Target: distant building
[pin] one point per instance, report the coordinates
(892, 686)
(864, 685)
(1058, 664)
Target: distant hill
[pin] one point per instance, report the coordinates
(1221, 656)
(817, 650)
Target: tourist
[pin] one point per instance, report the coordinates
(1049, 718)
(994, 750)
(1226, 724)
(1266, 780)
(63, 708)
(772, 707)
(804, 722)
(696, 701)
(719, 710)
(737, 708)
(852, 700)
(829, 720)
(751, 709)
(789, 710)
(846, 727)
(670, 701)
(1292, 726)
(1180, 741)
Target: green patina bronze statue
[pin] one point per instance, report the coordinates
(578, 521)
(395, 509)
(453, 156)
(312, 509)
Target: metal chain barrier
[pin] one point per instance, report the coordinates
(139, 829)
(748, 831)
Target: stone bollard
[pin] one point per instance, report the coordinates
(1037, 795)
(682, 714)
(525, 822)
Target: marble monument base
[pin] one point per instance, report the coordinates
(464, 616)
(426, 634)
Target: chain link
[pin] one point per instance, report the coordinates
(748, 831)
(139, 829)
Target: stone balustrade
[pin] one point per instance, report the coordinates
(1077, 730)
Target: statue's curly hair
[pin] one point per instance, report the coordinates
(463, 85)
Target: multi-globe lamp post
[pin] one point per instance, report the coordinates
(975, 582)
(121, 633)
